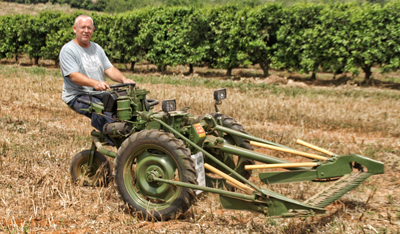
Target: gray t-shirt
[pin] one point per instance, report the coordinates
(92, 62)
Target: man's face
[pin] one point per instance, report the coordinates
(83, 31)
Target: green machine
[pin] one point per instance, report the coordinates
(165, 158)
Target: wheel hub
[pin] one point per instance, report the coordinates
(154, 166)
(156, 172)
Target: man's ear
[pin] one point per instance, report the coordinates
(74, 28)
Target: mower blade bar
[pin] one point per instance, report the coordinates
(337, 189)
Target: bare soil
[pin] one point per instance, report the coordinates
(11, 8)
(40, 135)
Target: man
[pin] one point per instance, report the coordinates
(84, 65)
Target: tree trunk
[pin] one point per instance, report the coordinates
(265, 67)
(229, 72)
(36, 60)
(337, 72)
(367, 70)
(161, 68)
(132, 66)
(191, 69)
(313, 75)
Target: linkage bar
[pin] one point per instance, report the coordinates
(304, 154)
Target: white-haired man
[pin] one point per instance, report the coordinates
(84, 65)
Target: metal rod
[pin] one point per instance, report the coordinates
(101, 149)
(283, 165)
(91, 156)
(210, 156)
(304, 154)
(250, 154)
(247, 136)
(233, 182)
(247, 190)
(314, 147)
(206, 189)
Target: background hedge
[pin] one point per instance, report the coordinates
(304, 37)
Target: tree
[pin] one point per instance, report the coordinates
(392, 40)
(227, 28)
(123, 36)
(12, 40)
(59, 33)
(164, 36)
(368, 37)
(295, 47)
(331, 37)
(261, 34)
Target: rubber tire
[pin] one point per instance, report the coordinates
(171, 147)
(231, 123)
(81, 159)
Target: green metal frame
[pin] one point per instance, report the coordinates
(267, 201)
(336, 167)
(209, 156)
(274, 204)
(180, 123)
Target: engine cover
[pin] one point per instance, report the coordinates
(117, 129)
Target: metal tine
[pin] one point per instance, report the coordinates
(304, 154)
(231, 181)
(281, 165)
(314, 147)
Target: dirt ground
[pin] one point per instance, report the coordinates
(40, 135)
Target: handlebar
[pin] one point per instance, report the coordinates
(122, 85)
(118, 86)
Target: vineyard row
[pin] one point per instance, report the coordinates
(304, 37)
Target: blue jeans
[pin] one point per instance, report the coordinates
(98, 121)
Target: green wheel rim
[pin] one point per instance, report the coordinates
(142, 162)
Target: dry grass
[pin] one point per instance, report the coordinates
(10, 8)
(40, 134)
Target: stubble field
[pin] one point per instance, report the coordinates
(39, 135)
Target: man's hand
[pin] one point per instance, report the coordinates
(117, 76)
(127, 81)
(101, 86)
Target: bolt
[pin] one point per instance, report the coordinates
(219, 140)
(266, 210)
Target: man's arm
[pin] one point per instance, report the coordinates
(117, 76)
(83, 80)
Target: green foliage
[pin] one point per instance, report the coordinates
(123, 37)
(297, 41)
(261, 34)
(163, 36)
(225, 37)
(54, 42)
(59, 32)
(34, 34)
(368, 37)
(103, 23)
(119, 6)
(331, 37)
(391, 11)
(305, 37)
(12, 39)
